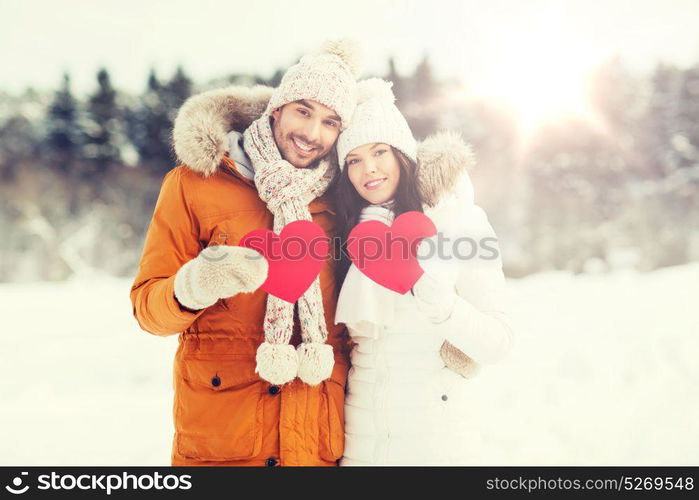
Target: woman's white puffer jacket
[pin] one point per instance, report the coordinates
(403, 406)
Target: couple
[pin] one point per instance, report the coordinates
(260, 381)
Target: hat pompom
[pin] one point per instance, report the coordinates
(375, 88)
(348, 50)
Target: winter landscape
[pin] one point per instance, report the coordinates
(587, 165)
(603, 372)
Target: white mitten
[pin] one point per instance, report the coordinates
(435, 298)
(218, 272)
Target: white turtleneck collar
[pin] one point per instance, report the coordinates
(382, 213)
(363, 304)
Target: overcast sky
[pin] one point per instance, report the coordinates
(40, 39)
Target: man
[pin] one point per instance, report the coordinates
(258, 380)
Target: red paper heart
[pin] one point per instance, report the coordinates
(295, 257)
(387, 255)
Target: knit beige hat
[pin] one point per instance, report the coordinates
(376, 119)
(328, 77)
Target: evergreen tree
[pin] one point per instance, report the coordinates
(177, 90)
(685, 141)
(63, 132)
(18, 145)
(660, 122)
(273, 81)
(614, 96)
(577, 189)
(150, 126)
(399, 84)
(421, 111)
(102, 126)
(423, 83)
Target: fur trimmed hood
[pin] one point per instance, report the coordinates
(204, 121)
(443, 162)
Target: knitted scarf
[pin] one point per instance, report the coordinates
(287, 191)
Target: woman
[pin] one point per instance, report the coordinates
(410, 392)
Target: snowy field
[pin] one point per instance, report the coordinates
(604, 371)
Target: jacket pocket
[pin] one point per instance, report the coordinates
(218, 408)
(331, 436)
(229, 228)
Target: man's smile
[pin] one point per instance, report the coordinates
(302, 148)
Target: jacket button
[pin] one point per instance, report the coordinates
(273, 389)
(270, 462)
(444, 397)
(216, 381)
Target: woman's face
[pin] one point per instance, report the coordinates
(374, 172)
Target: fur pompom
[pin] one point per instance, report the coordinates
(375, 88)
(348, 50)
(277, 363)
(441, 158)
(316, 362)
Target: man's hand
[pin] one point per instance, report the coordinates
(434, 298)
(218, 272)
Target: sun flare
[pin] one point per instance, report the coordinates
(540, 74)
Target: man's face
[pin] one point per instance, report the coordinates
(304, 131)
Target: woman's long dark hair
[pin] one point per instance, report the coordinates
(349, 204)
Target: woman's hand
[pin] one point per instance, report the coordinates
(434, 298)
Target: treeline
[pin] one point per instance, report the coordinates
(80, 176)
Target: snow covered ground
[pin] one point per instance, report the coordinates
(604, 371)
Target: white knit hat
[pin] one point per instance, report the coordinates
(328, 77)
(376, 119)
